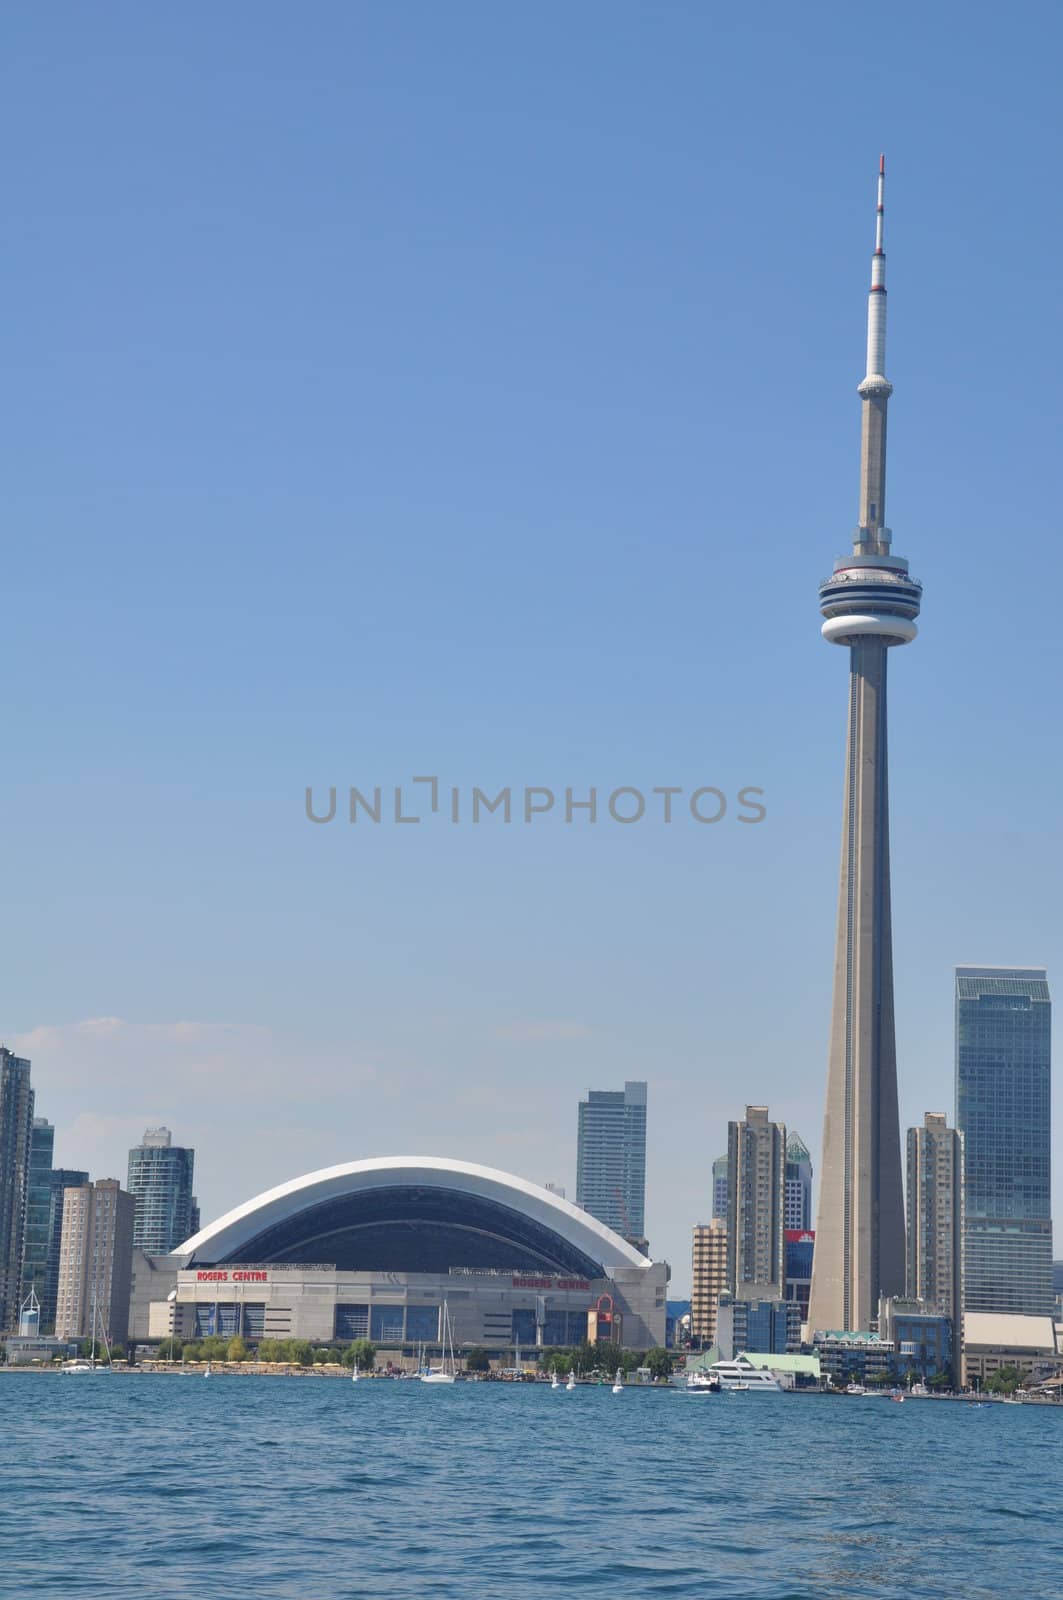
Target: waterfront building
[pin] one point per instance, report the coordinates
(935, 1219)
(708, 1279)
(374, 1248)
(800, 1249)
(850, 1355)
(160, 1180)
(924, 1339)
(719, 1188)
(869, 606)
(1003, 1339)
(16, 1133)
(1003, 1109)
(756, 1175)
(95, 1261)
(798, 1204)
(768, 1325)
(611, 1158)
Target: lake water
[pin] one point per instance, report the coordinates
(319, 1489)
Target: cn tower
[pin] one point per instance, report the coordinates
(869, 604)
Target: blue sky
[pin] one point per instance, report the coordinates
(470, 390)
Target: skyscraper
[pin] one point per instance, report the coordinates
(869, 604)
(16, 1130)
(935, 1219)
(708, 1278)
(37, 1230)
(1003, 1109)
(611, 1158)
(756, 1171)
(95, 1262)
(160, 1180)
(719, 1188)
(798, 1205)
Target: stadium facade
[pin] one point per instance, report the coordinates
(374, 1248)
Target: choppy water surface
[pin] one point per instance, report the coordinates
(317, 1489)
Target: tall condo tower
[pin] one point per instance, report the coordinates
(869, 604)
(611, 1158)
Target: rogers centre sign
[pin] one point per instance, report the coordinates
(550, 1283)
(238, 1276)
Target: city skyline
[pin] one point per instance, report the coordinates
(577, 333)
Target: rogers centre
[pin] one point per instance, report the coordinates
(373, 1248)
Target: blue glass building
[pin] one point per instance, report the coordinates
(611, 1158)
(1003, 1109)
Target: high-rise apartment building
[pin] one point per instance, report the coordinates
(16, 1132)
(160, 1180)
(95, 1262)
(611, 1158)
(756, 1175)
(719, 1188)
(1003, 1110)
(869, 605)
(708, 1279)
(935, 1218)
(798, 1204)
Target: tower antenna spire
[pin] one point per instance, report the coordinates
(872, 536)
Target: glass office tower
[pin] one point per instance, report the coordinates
(611, 1158)
(16, 1128)
(1003, 1110)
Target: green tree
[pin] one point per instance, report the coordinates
(301, 1352)
(585, 1357)
(236, 1349)
(1004, 1381)
(477, 1359)
(361, 1354)
(170, 1350)
(659, 1361)
(191, 1351)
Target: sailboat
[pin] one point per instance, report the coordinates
(618, 1381)
(81, 1365)
(554, 1381)
(447, 1372)
(571, 1384)
(354, 1374)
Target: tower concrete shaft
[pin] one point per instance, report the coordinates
(869, 604)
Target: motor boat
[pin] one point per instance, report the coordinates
(702, 1382)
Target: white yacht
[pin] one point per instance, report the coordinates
(741, 1375)
(702, 1382)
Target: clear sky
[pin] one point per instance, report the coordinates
(470, 390)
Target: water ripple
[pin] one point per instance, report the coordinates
(140, 1487)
